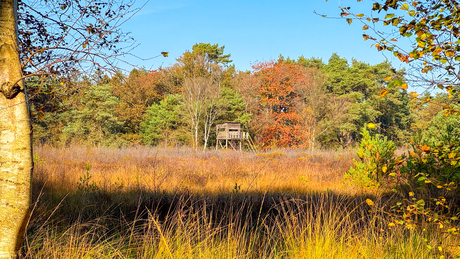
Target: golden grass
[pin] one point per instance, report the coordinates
(175, 203)
(212, 172)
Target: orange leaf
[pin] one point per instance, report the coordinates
(446, 113)
(425, 148)
(387, 78)
(404, 86)
(450, 53)
(383, 93)
(437, 51)
(403, 58)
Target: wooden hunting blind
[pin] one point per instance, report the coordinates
(230, 135)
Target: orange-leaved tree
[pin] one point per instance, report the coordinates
(277, 84)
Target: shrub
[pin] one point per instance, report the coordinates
(376, 155)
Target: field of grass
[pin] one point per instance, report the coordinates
(176, 203)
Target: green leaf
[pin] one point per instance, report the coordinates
(421, 202)
(395, 21)
(390, 15)
(395, 83)
(421, 179)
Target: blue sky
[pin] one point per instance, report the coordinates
(251, 31)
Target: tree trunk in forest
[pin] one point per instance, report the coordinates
(15, 138)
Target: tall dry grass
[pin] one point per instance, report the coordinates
(176, 203)
(212, 172)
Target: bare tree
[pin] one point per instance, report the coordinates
(50, 38)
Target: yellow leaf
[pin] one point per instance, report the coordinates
(391, 224)
(450, 53)
(453, 162)
(384, 169)
(371, 125)
(383, 93)
(369, 202)
(404, 86)
(365, 27)
(411, 194)
(387, 78)
(421, 44)
(405, 7)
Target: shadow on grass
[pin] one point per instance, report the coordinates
(263, 224)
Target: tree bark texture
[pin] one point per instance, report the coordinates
(15, 138)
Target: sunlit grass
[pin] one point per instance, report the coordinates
(212, 172)
(175, 203)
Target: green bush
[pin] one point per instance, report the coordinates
(443, 130)
(376, 155)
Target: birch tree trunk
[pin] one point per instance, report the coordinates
(15, 138)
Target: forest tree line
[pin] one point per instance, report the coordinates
(288, 103)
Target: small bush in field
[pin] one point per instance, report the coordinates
(84, 184)
(376, 155)
(433, 164)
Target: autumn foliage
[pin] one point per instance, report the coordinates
(277, 84)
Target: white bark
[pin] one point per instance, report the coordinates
(15, 138)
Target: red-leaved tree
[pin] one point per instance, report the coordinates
(277, 84)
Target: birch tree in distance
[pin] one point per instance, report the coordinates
(202, 72)
(45, 38)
